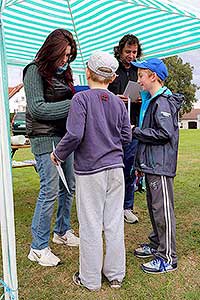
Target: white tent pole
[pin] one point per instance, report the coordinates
(6, 190)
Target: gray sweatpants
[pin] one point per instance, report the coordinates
(160, 201)
(99, 200)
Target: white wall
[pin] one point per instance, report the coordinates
(18, 102)
(184, 123)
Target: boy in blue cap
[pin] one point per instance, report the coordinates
(157, 158)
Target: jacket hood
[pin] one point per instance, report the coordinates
(176, 100)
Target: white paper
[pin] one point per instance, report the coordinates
(61, 173)
(132, 91)
(129, 108)
(62, 176)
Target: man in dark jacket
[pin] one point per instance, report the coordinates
(128, 50)
(157, 158)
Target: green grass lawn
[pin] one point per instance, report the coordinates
(43, 283)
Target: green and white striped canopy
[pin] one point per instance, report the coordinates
(164, 27)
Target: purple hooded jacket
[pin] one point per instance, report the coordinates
(97, 127)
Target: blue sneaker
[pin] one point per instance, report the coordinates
(157, 266)
(144, 251)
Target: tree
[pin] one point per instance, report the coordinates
(179, 81)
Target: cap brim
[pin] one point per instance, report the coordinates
(139, 65)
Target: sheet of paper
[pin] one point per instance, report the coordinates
(132, 91)
(61, 174)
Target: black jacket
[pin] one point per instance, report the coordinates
(159, 135)
(119, 84)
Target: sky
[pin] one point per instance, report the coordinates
(193, 57)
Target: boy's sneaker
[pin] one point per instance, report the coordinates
(144, 251)
(157, 266)
(68, 239)
(76, 279)
(115, 284)
(129, 217)
(44, 257)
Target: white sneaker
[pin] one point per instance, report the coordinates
(68, 239)
(44, 257)
(129, 216)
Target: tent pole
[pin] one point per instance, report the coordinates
(6, 191)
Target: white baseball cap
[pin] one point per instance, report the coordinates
(100, 59)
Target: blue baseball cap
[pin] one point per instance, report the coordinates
(156, 65)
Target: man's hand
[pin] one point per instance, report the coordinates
(133, 128)
(54, 160)
(139, 173)
(123, 98)
(139, 100)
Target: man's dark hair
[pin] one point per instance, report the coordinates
(128, 39)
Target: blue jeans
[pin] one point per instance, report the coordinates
(129, 173)
(51, 187)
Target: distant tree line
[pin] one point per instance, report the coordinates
(180, 81)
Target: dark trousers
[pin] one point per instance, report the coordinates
(160, 201)
(129, 173)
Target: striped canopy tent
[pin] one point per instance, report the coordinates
(164, 28)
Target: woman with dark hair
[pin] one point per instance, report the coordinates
(49, 88)
(127, 51)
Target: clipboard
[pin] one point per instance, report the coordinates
(132, 91)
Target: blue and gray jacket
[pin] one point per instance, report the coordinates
(158, 133)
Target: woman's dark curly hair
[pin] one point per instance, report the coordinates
(128, 39)
(50, 55)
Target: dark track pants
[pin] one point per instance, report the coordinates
(160, 201)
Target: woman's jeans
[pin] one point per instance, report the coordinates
(51, 187)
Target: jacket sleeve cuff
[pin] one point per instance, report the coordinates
(57, 157)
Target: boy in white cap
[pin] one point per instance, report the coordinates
(97, 127)
(157, 158)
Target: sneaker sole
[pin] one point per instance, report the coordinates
(115, 287)
(130, 222)
(142, 256)
(156, 273)
(59, 242)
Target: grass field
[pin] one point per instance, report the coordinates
(42, 283)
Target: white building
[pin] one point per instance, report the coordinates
(17, 100)
(191, 120)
